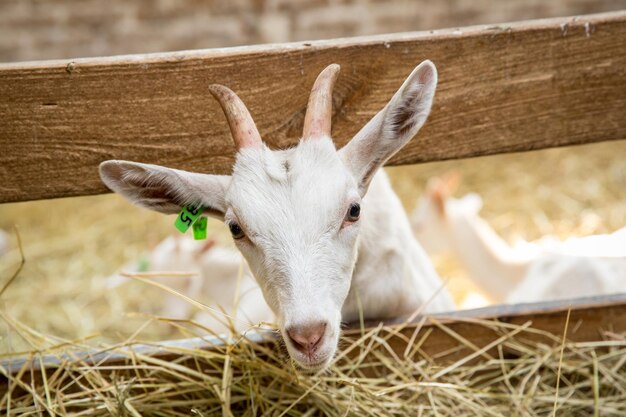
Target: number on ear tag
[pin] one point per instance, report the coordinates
(199, 229)
(187, 216)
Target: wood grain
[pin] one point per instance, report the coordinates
(507, 88)
(589, 319)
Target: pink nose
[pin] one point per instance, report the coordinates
(307, 338)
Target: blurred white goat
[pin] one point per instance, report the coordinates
(218, 277)
(527, 272)
(295, 215)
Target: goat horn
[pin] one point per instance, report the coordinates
(319, 111)
(242, 127)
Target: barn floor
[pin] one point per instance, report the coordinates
(71, 245)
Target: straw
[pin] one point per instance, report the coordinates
(248, 378)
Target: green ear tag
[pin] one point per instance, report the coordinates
(199, 229)
(187, 216)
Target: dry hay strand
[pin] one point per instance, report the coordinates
(518, 374)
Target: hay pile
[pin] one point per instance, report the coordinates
(517, 376)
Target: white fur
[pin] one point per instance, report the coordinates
(528, 272)
(312, 264)
(393, 274)
(308, 268)
(221, 280)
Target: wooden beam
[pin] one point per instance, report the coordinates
(589, 317)
(507, 88)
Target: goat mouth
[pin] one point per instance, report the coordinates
(310, 362)
(311, 365)
(315, 360)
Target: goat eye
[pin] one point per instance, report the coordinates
(353, 212)
(236, 230)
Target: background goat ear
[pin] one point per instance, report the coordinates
(163, 189)
(393, 126)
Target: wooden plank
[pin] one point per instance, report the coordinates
(438, 336)
(507, 88)
(589, 317)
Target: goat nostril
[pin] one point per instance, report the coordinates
(307, 338)
(297, 344)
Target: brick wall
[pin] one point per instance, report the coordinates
(37, 29)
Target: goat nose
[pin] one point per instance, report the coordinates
(307, 338)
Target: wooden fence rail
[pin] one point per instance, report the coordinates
(590, 318)
(506, 88)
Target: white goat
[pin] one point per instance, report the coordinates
(220, 279)
(295, 215)
(593, 265)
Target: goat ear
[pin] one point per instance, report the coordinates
(163, 189)
(438, 194)
(393, 126)
(452, 180)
